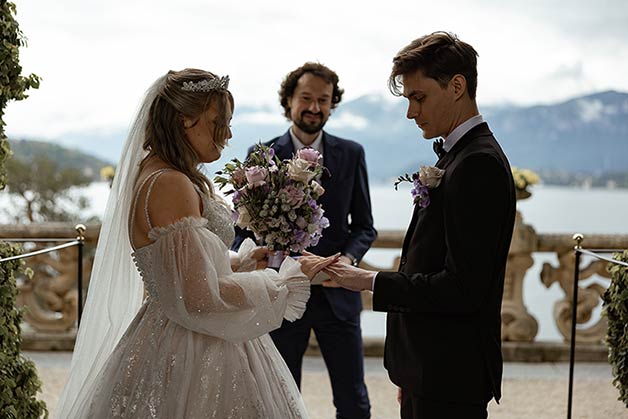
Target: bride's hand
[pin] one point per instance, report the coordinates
(312, 264)
(260, 256)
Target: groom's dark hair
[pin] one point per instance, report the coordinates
(440, 56)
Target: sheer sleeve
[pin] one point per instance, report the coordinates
(243, 258)
(197, 289)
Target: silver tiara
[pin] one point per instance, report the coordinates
(206, 85)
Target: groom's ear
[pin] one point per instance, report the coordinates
(459, 85)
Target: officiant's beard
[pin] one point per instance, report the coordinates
(313, 127)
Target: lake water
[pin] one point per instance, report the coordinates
(551, 209)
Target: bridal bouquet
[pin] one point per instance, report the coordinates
(277, 200)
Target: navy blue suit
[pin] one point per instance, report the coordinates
(334, 313)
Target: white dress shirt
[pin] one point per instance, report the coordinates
(316, 145)
(460, 131)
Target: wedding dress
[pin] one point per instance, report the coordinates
(198, 347)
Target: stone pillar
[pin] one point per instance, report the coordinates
(517, 324)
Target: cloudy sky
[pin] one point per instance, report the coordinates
(96, 58)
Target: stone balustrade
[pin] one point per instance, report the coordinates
(51, 296)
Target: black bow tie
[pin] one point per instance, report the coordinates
(438, 148)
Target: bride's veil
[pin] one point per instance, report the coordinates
(115, 289)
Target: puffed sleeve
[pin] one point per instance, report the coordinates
(197, 289)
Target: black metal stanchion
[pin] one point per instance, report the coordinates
(578, 238)
(80, 230)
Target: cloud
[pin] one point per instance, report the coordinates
(348, 120)
(96, 60)
(261, 118)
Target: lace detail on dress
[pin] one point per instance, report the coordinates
(219, 219)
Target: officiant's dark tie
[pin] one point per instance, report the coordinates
(438, 148)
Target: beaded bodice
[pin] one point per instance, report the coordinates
(218, 221)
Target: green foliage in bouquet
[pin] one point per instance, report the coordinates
(277, 200)
(616, 310)
(18, 377)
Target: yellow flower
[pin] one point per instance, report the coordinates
(524, 177)
(107, 173)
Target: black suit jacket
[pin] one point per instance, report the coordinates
(347, 205)
(443, 336)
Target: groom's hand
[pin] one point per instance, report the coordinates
(312, 264)
(349, 277)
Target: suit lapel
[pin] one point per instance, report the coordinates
(284, 149)
(442, 163)
(330, 159)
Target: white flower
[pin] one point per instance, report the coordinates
(430, 176)
(317, 188)
(298, 169)
(244, 218)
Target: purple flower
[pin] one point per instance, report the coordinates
(420, 194)
(323, 223)
(256, 176)
(310, 155)
(293, 195)
(236, 197)
(300, 236)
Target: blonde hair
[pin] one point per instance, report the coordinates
(164, 133)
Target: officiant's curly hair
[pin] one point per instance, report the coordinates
(289, 84)
(165, 135)
(440, 56)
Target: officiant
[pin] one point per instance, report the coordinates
(308, 95)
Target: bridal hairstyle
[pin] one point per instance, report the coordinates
(165, 136)
(289, 84)
(440, 56)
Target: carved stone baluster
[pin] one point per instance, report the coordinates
(588, 298)
(50, 294)
(517, 324)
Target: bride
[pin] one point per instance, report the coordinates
(175, 326)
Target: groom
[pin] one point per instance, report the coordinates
(443, 343)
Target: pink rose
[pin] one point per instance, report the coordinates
(294, 195)
(310, 155)
(256, 176)
(239, 177)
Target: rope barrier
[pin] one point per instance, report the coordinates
(41, 251)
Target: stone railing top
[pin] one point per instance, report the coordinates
(386, 239)
(561, 242)
(60, 230)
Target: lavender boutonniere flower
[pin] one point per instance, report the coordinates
(428, 177)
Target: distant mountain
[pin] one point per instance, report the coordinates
(65, 158)
(586, 135)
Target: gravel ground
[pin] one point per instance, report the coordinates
(536, 391)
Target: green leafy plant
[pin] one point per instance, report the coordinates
(18, 377)
(615, 308)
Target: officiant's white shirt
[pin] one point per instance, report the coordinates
(316, 145)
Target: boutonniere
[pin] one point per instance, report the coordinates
(428, 177)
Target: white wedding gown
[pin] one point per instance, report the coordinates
(198, 347)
